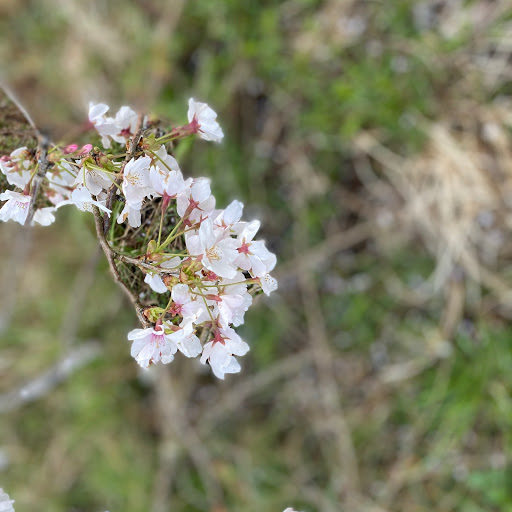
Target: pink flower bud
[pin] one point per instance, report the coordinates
(85, 150)
(70, 149)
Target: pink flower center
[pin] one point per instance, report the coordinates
(156, 339)
(244, 248)
(176, 309)
(194, 125)
(210, 276)
(217, 338)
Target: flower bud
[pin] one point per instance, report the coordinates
(170, 281)
(85, 150)
(152, 253)
(54, 157)
(70, 149)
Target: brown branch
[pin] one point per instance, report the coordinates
(111, 255)
(129, 155)
(38, 178)
(148, 266)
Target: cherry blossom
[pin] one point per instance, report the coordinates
(105, 127)
(16, 167)
(82, 199)
(216, 254)
(44, 216)
(119, 128)
(126, 122)
(192, 311)
(253, 255)
(231, 300)
(186, 341)
(165, 176)
(136, 182)
(205, 117)
(94, 180)
(204, 263)
(131, 212)
(268, 284)
(5, 502)
(61, 180)
(16, 207)
(97, 112)
(196, 202)
(229, 217)
(151, 345)
(155, 281)
(220, 351)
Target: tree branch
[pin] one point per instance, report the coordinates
(111, 255)
(148, 266)
(38, 178)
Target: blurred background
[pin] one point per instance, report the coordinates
(373, 140)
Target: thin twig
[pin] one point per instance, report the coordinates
(140, 263)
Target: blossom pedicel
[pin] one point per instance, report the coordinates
(200, 265)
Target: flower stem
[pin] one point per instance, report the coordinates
(160, 229)
(171, 237)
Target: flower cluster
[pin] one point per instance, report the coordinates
(203, 265)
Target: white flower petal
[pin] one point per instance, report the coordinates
(155, 283)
